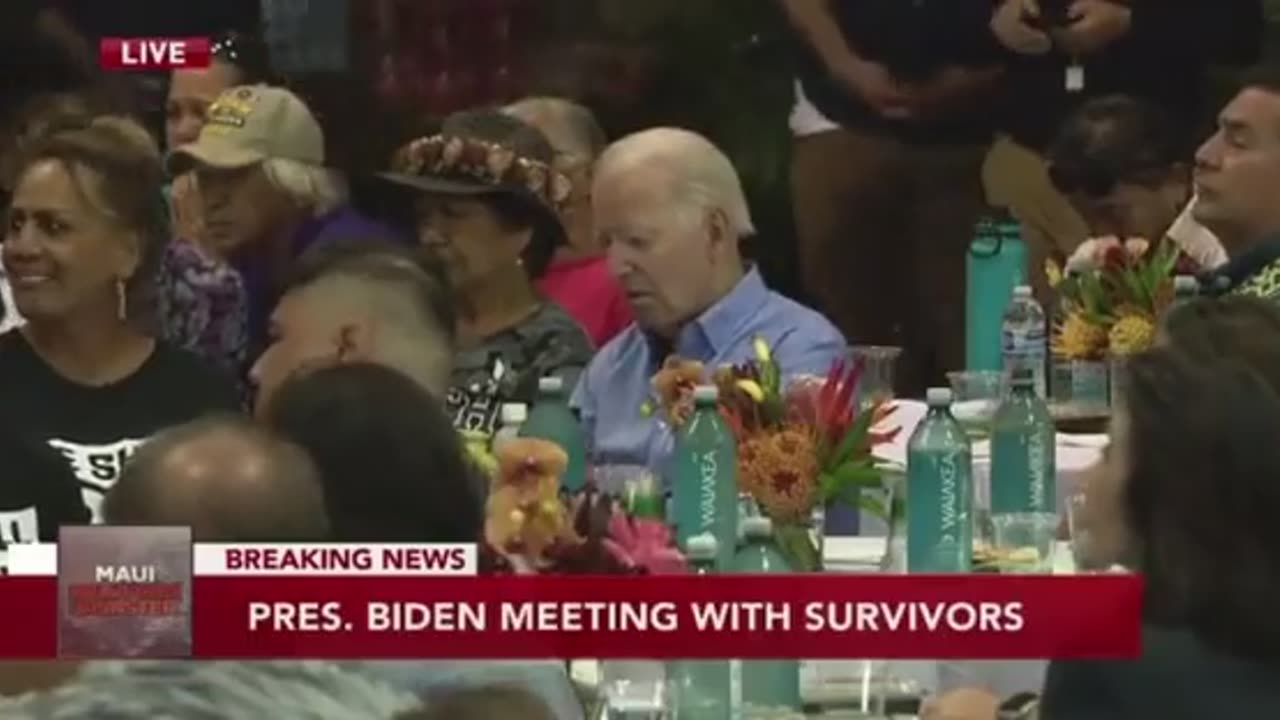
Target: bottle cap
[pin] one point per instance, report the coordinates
(514, 413)
(757, 526)
(551, 384)
(1022, 291)
(706, 394)
(938, 397)
(702, 547)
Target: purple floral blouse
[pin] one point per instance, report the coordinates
(203, 307)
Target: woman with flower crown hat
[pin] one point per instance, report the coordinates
(487, 206)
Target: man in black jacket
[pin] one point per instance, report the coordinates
(1062, 53)
(885, 172)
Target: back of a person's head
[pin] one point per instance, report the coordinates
(112, 690)
(571, 128)
(1236, 327)
(402, 287)
(1200, 494)
(482, 703)
(227, 478)
(392, 464)
(1118, 138)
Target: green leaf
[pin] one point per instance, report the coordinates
(869, 503)
(853, 474)
(854, 437)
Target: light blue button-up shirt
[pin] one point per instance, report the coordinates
(612, 391)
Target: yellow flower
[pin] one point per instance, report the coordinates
(1053, 273)
(762, 350)
(752, 388)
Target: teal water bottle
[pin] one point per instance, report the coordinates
(553, 421)
(996, 264)
(705, 486)
(701, 689)
(939, 491)
(1022, 451)
(772, 684)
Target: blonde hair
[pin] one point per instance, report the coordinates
(316, 188)
(701, 178)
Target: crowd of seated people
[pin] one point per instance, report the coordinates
(216, 337)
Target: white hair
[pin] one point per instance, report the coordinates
(700, 176)
(212, 690)
(308, 186)
(572, 129)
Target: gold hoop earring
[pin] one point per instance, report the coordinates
(122, 301)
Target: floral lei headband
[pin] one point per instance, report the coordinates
(484, 162)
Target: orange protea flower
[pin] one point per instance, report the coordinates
(780, 470)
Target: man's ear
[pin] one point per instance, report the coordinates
(719, 232)
(354, 342)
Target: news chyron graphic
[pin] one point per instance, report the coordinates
(124, 592)
(155, 53)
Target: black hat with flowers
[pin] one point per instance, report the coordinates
(485, 152)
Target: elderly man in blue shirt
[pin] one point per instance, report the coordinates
(669, 208)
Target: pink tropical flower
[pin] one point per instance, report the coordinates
(643, 543)
(1136, 247)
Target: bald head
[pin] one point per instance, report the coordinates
(228, 479)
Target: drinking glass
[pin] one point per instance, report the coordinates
(635, 689)
(1082, 554)
(977, 394)
(876, 383)
(1024, 542)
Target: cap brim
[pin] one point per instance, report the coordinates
(211, 152)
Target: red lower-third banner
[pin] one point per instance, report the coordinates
(808, 616)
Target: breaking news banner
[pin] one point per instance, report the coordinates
(154, 53)
(425, 601)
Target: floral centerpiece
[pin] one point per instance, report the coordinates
(532, 526)
(802, 445)
(1111, 294)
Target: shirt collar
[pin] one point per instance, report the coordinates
(713, 332)
(1248, 263)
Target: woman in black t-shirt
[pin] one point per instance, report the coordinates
(38, 494)
(84, 376)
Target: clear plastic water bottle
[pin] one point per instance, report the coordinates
(511, 418)
(705, 486)
(1023, 462)
(1024, 337)
(771, 684)
(552, 420)
(710, 689)
(939, 491)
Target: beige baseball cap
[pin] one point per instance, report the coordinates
(249, 124)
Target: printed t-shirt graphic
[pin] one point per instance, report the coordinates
(95, 429)
(38, 494)
(96, 467)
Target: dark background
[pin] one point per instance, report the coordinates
(392, 68)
